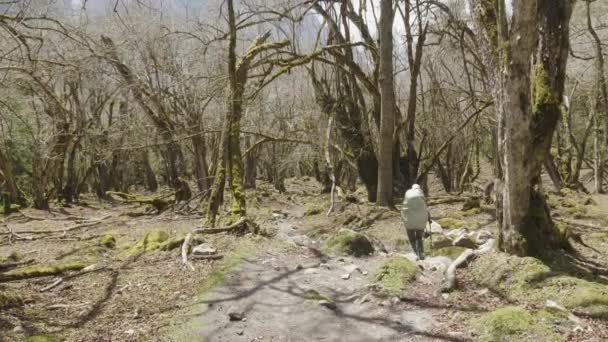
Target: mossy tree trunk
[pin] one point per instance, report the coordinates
(526, 57)
(230, 165)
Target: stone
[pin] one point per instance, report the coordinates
(301, 240)
(453, 233)
(18, 329)
(410, 256)
(441, 241)
(352, 268)
(436, 263)
(311, 271)
(328, 304)
(436, 228)
(578, 329)
(235, 315)
(364, 299)
(204, 249)
(465, 241)
(130, 332)
(346, 276)
(240, 332)
(482, 236)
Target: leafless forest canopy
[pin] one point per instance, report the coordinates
(203, 98)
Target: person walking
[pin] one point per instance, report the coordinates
(415, 216)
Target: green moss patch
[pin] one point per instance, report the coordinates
(315, 295)
(349, 242)
(451, 223)
(396, 275)
(530, 280)
(514, 324)
(150, 242)
(452, 252)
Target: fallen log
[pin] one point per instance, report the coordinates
(5, 266)
(42, 271)
(185, 247)
(580, 224)
(88, 269)
(206, 257)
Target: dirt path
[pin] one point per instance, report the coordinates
(301, 295)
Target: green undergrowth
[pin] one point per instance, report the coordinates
(395, 275)
(513, 323)
(529, 280)
(149, 242)
(9, 300)
(314, 295)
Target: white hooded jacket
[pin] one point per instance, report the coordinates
(414, 212)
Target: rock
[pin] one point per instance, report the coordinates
(204, 249)
(328, 304)
(441, 241)
(349, 242)
(18, 329)
(346, 276)
(301, 240)
(481, 236)
(130, 332)
(578, 329)
(240, 332)
(352, 268)
(364, 272)
(437, 263)
(410, 256)
(364, 299)
(325, 266)
(436, 228)
(235, 314)
(311, 271)
(395, 300)
(455, 233)
(465, 241)
(445, 295)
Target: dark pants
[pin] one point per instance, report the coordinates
(416, 240)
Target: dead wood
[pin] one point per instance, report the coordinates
(40, 272)
(206, 257)
(242, 226)
(88, 269)
(5, 266)
(185, 247)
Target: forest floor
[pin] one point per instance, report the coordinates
(285, 287)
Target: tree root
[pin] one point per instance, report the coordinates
(88, 269)
(241, 227)
(450, 282)
(42, 271)
(6, 266)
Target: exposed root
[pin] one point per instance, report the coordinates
(240, 227)
(159, 203)
(185, 247)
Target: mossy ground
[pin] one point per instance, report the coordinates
(513, 323)
(529, 280)
(395, 275)
(348, 242)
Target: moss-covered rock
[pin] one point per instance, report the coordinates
(349, 242)
(107, 241)
(451, 252)
(514, 324)
(451, 223)
(396, 275)
(150, 242)
(471, 212)
(471, 203)
(315, 295)
(530, 280)
(15, 256)
(9, 300)
(311, 209)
